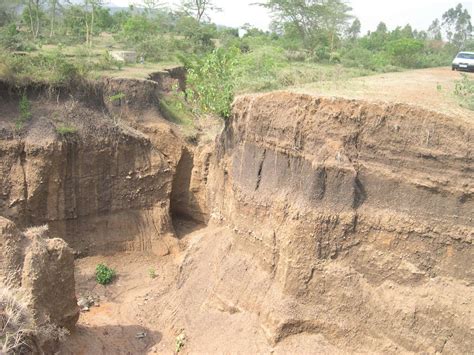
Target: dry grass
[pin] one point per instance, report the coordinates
(36, 232)
(16, 321)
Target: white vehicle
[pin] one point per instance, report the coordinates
(464, 61)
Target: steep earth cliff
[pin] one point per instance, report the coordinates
(341, 218)
(97, 164)
(361, 214)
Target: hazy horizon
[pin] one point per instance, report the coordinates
(419, 14)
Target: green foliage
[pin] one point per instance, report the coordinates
(137, 29)
(464, 91)
(52, 68)
(117, 97)
(11, 39)
(174, 108)
(210, 80)
(65, 130)
(106, 62)
(311, 23)
(405, 51)
(104, 275)
(24, 107)
(152, 273)
(457, 23)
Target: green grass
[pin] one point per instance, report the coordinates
(174, 109)
(117, 97)
(296, 74)
(64, 130)
(464, 91)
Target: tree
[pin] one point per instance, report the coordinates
(53, 9)
(33, 12)
(8, 10)
(310, 20)
(335, 18)
(354, 29)
(151, 6)
(199, 9)
(435, 31)
(91, 7)
(458, 26)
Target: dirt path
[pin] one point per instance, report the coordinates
(429, 88)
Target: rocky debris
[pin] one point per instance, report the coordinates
(140, 335)
(85, 303)
(44, 270)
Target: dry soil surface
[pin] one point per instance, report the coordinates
(432, 89)
(147, 308)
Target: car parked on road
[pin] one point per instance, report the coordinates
(464, 61)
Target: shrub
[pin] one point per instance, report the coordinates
(210, 80)
(104, 275)
(52, 68)
(406, 51)
(464, 90)
(152, 273)
(106, 62)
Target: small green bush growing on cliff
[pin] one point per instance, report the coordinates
(117, 97)
(464, 90)
(104, 275)
(65, 130)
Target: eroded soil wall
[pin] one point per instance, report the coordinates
(361, 214)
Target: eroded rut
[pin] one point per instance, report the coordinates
(309, 225)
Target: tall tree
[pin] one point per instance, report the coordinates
(458, 26)
(33, 12)
(199, 9)
(53, 4)
(310, 18)
(151, 6)
(335, 20)
(435, 31)
(90, 9)
(354, 29)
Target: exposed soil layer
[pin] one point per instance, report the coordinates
(362, 214)
(311, 224)
(100, 175)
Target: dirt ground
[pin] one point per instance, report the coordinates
(428, 88)
(146, 308)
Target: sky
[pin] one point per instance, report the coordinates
(418, 13)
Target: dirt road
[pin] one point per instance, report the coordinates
(429, 88)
